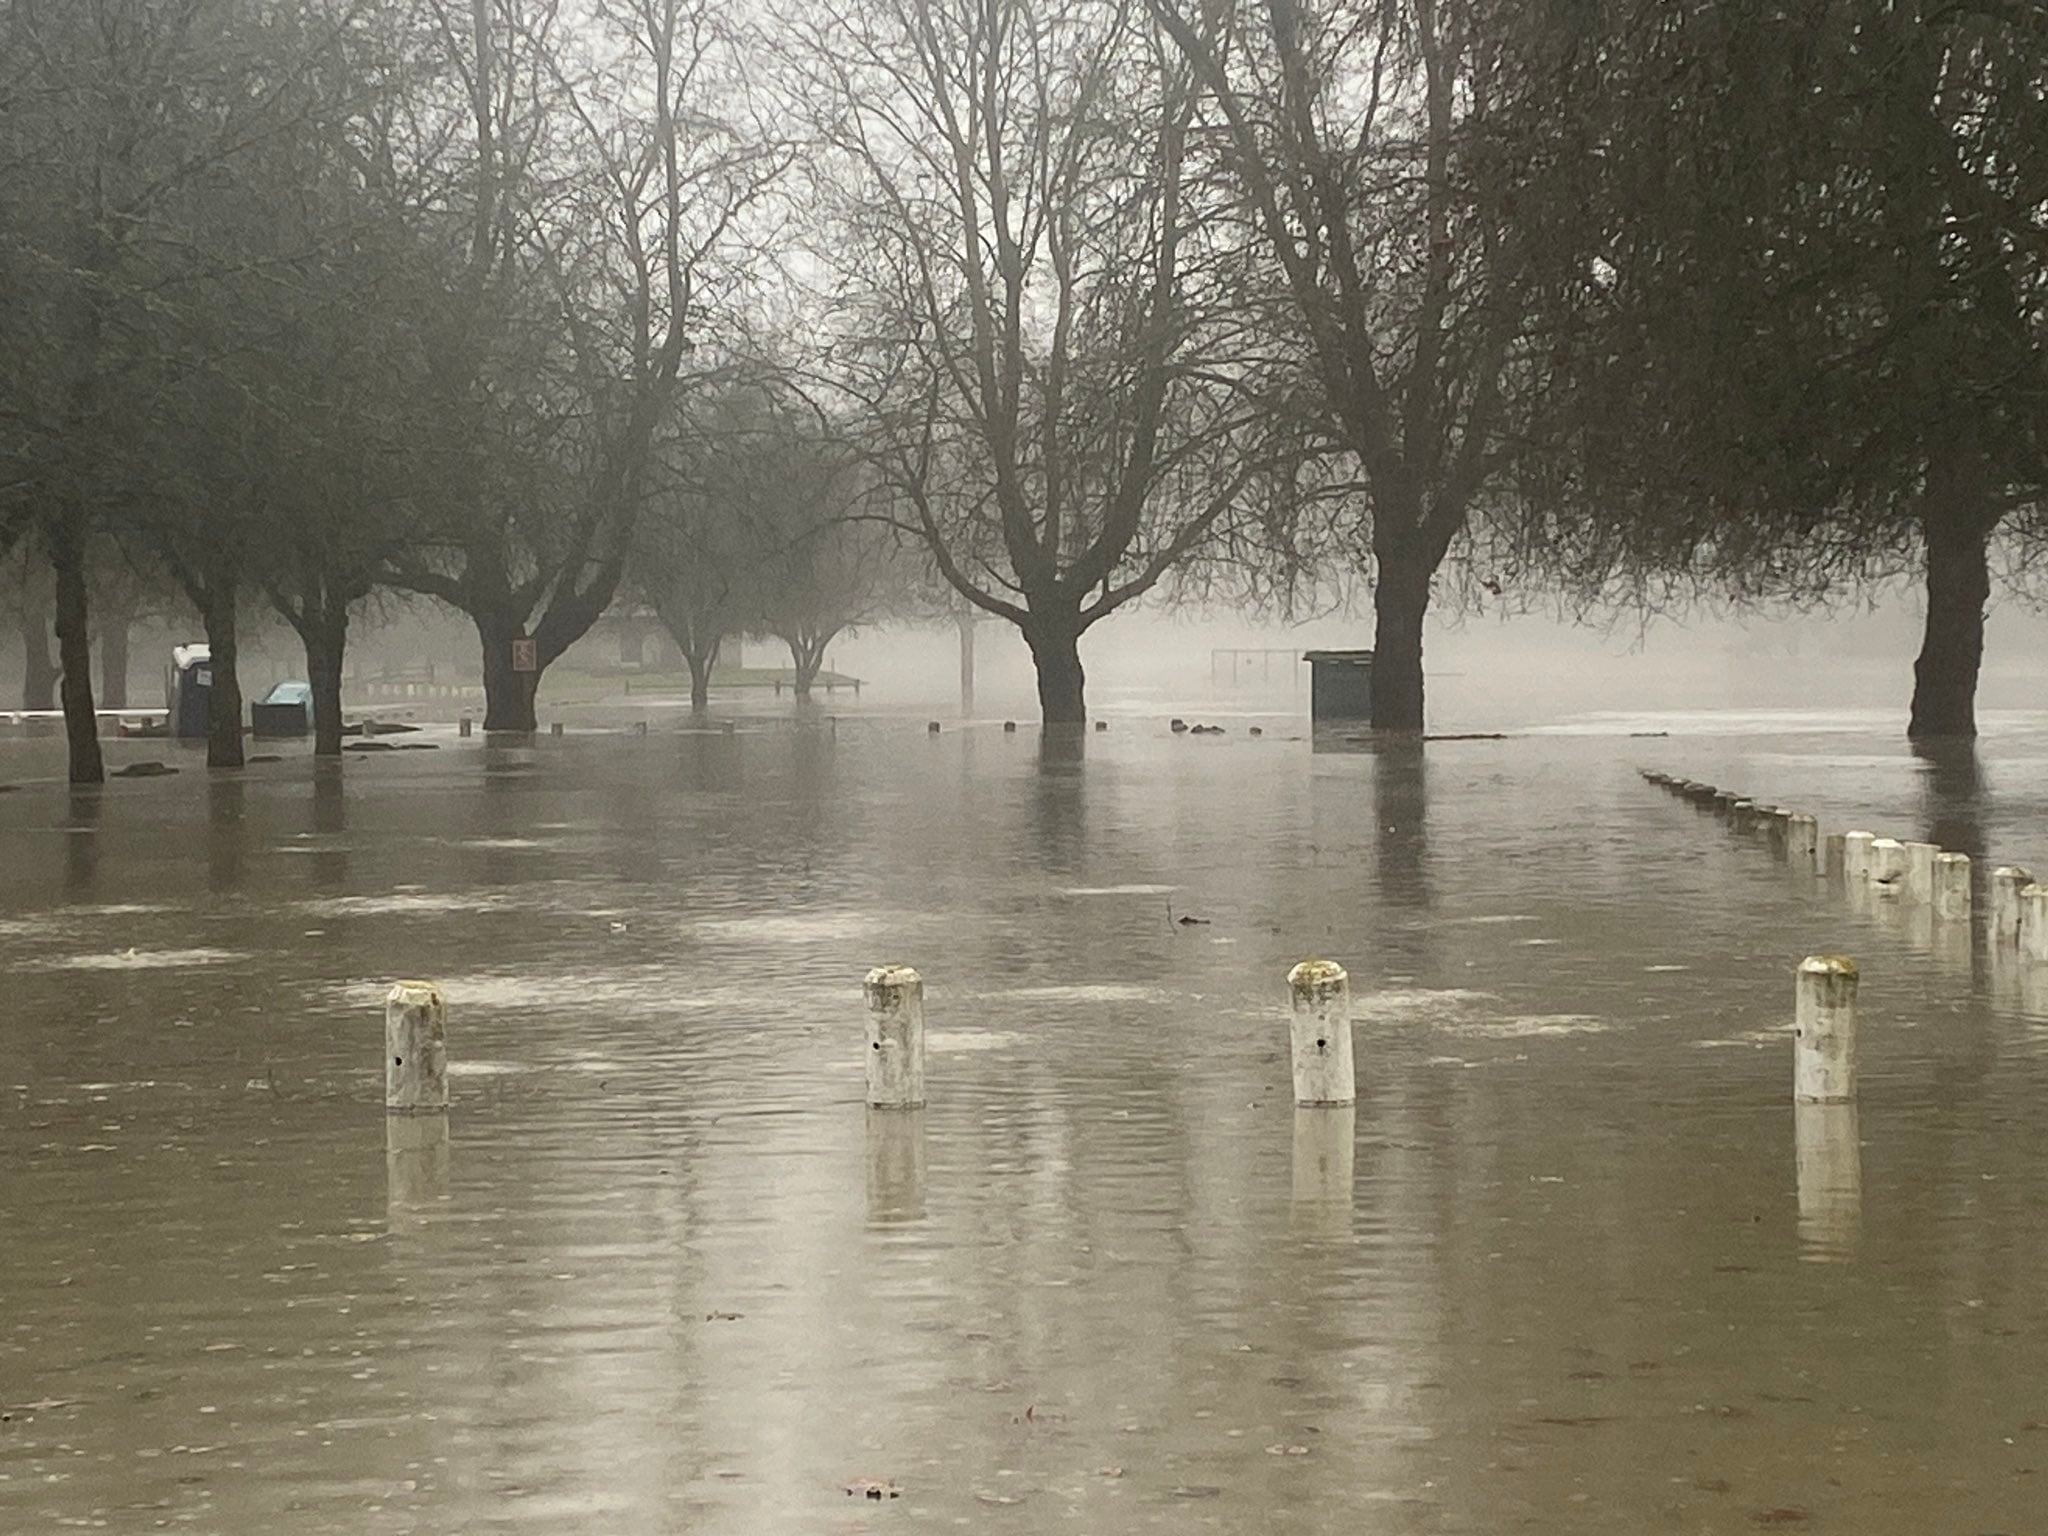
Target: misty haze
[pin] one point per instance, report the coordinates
(913, 765)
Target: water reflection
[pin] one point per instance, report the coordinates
(895, 1156)
(1555, 1266)
(1953, 797)
(82, 840)
(415, 1161)
(330, 824)
(1325, 1151)
(1829, 1154)
(1400, 800)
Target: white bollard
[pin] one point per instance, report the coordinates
(1888, 865)
(1802, 840)
(415, 1048)
(2007, 881)
(1952, 887)
(1920, 871)
(1323, 1073)
(1824, 1030)
(1742, 813)
(465, 727)
(895, 1038)
(1856, 855)
(2034, 923)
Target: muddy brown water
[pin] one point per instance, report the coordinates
(1560, 1272)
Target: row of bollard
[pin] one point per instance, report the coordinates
(1325, 1092)
(1324, 1071)
(1923, 874)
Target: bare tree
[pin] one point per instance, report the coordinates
(1356, 136)
(1040, 305)
(608, 180)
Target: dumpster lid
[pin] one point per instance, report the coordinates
(289, 693)
(1338, 658)
(183, 656)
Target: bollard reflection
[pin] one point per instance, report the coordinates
(1829, 1154)
(415, 1162)
(895, 1166)
(1325, 1151)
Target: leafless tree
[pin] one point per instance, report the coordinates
(1038, 300)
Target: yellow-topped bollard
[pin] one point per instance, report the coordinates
(1323, 1073)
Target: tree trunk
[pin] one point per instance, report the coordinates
(508, 695)
(38, 671)
(1400, 601)
(326, 640)
(701, 664)
(224, 696)
(1062, 684)
(74, 650)
(808, 652)
(114, 628)
(1958, 588)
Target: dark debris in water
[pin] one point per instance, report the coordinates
(873, 1488)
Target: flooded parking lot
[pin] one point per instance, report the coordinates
(1572, 1264)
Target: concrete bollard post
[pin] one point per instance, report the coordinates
(1323, 1073)
(1802, 840)
(555, 729)
(2034, 923)
(895, 1038)
(729, 728)
(1888, 866)
(2007, 881)
(1920, 871)
(1742, 813)
(1724, 800)
(1824, 1031)
(1776, 822)
(464, 726)
(1952, 887)
(1856, 854)
(415, 1048)
(1834, 855)
(639, 727)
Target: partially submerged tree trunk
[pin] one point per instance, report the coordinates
(66, 539)
(1956, 520)
(1400, 604)
(807, 654)
(1062, 683)
(318, 612)
(326, 641)
(508, 693)
(700, 663)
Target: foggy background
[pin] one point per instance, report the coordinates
(1486, 671)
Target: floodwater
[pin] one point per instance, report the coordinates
(1573, 1265)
